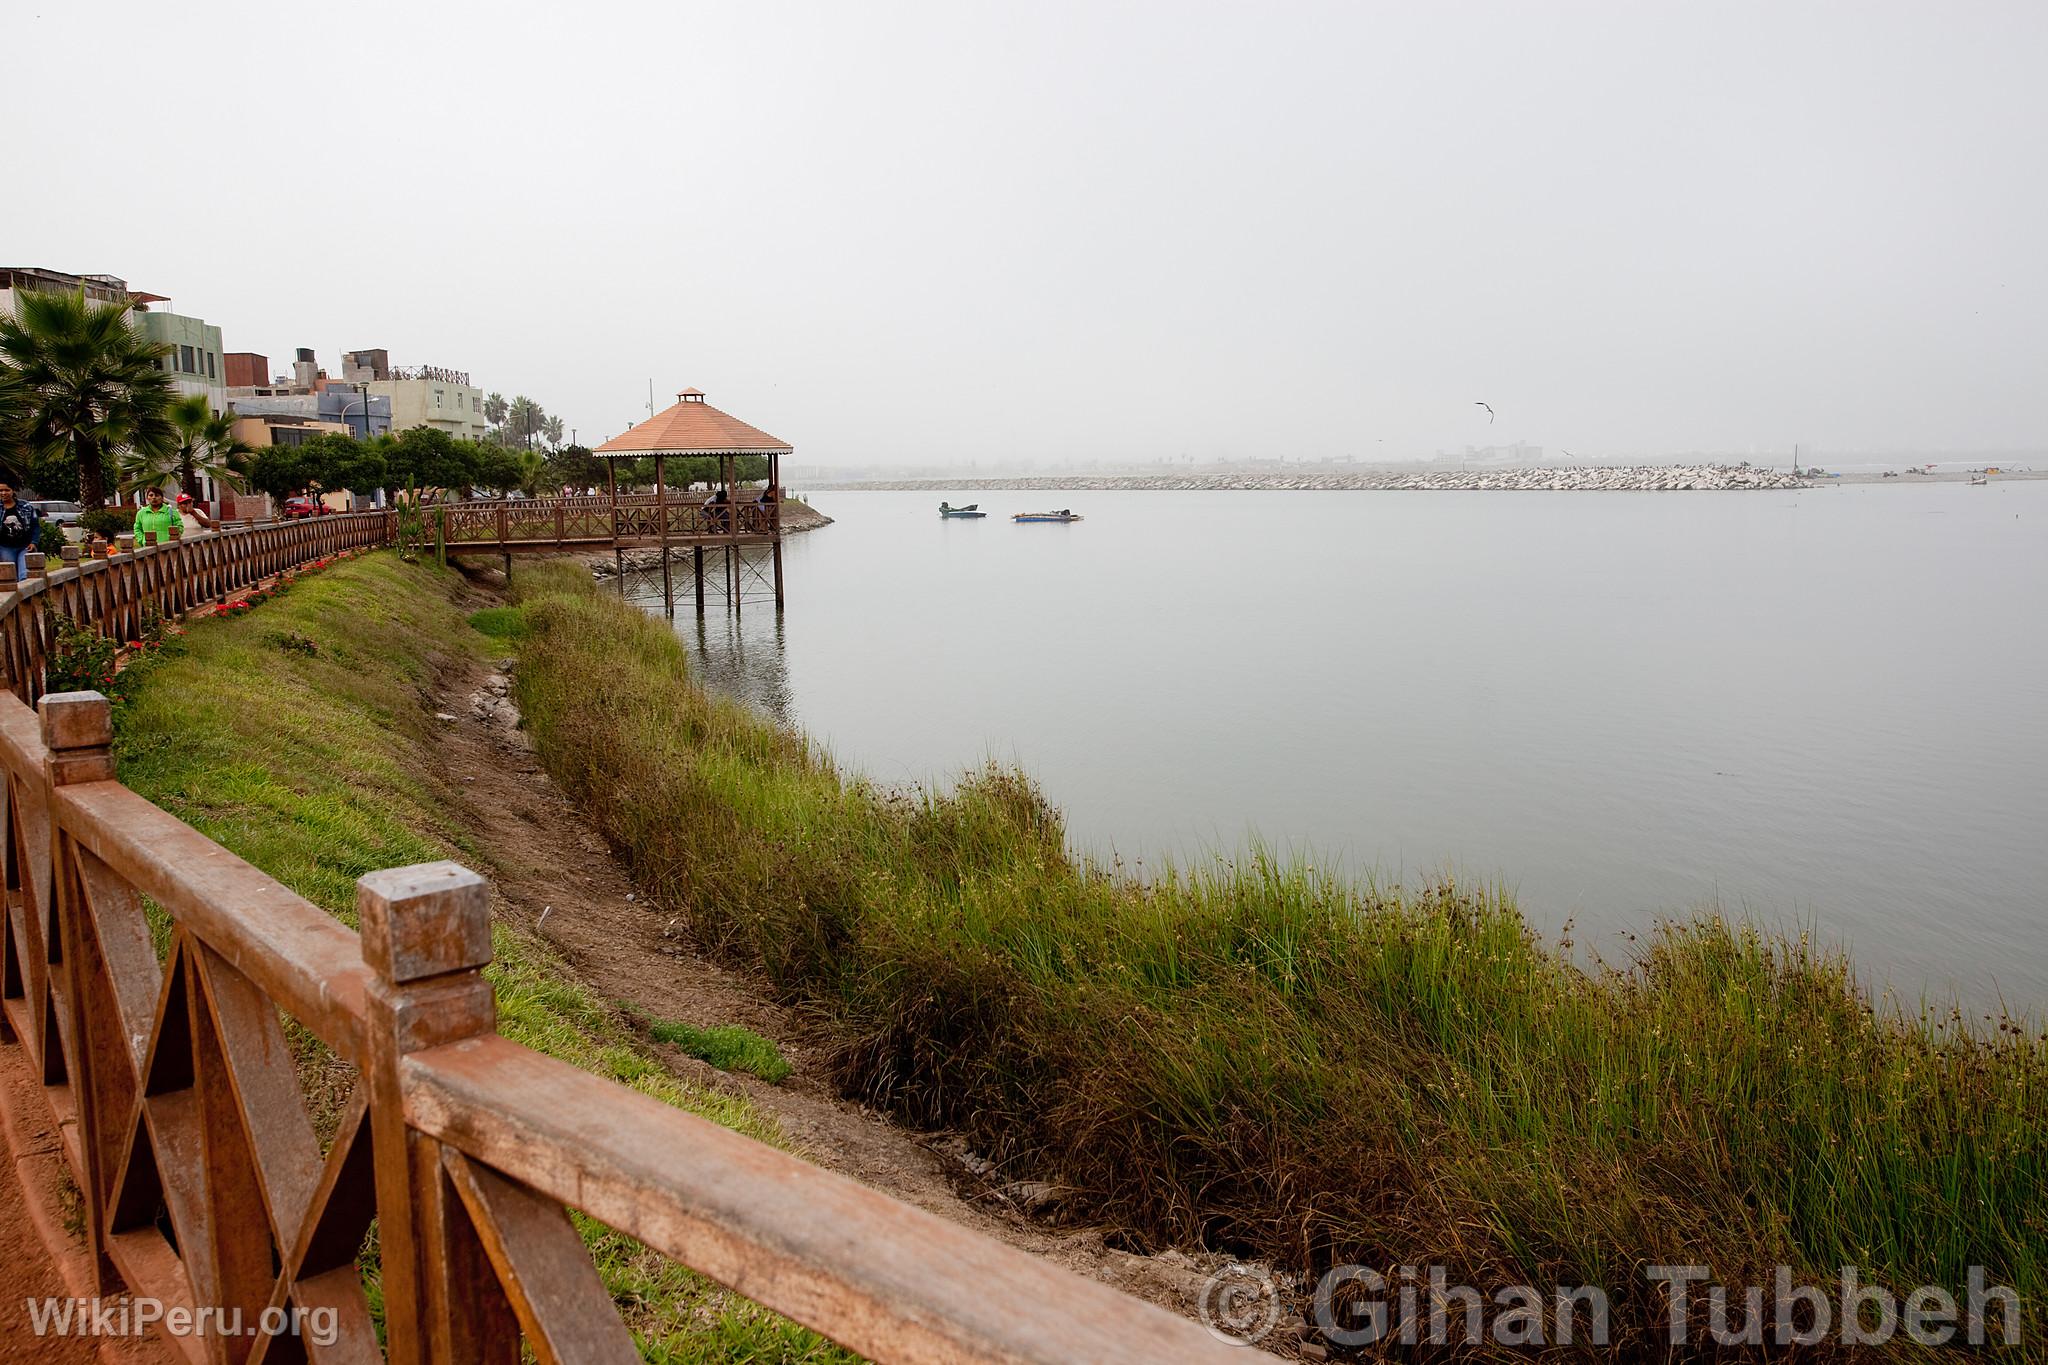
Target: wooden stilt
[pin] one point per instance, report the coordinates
(668, 585)
(619, 563)
(775, 523)
(697, 555)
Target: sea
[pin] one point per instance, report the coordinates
(1824, 709)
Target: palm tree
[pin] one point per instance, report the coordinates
(523, 418)
(81, 383)
(532, 465)
(551, 432)
(206, 446)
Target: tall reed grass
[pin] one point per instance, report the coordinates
(1267, 1059)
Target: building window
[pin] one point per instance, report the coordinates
(186, 364)
(211, 373)
(437, 398)
(476, 404)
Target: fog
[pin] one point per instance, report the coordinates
(932, 233)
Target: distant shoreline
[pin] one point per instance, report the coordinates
(1588, 479)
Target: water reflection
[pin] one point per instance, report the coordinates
(741, 654)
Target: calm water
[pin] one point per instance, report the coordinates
(1827, 707)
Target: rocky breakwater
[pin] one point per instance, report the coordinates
(1638, 478)
(1582, 478)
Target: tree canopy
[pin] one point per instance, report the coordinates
(80, 388)
(423, 457)
(205, 445)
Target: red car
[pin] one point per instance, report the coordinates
(295, 508)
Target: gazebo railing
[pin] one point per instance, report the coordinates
(585, 520)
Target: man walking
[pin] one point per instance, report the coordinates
(20, 525)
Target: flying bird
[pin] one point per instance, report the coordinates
(1489, 411)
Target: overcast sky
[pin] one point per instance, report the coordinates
(941, 232)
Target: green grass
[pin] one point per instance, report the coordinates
(1266, 1059)
(727, 1047)
(318, 768)
(499, 623)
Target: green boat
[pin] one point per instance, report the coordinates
(970, 510)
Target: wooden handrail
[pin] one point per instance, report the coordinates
(892, 1281)
(203, 1182)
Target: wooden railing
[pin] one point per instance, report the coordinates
(579, 520)
(112, 592)
(149, 976)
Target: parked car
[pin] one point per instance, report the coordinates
(59, 513)
(295, 508)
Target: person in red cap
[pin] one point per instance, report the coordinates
(194, 515)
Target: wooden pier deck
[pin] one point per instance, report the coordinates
(629, 521)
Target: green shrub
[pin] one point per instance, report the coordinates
(50, 540)
(108, 521)
(80, 659)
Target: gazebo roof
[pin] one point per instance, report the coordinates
(692, 427)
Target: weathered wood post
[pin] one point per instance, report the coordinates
(775, 522)
(78, 731)
(426, 936)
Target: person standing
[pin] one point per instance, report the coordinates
(20, 527)
(154, 516)
(194, 516)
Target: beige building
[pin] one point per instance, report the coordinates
(421, 395)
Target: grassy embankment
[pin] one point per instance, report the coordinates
(317, 768)
(1270, 1060)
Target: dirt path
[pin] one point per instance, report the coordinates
(552, 870)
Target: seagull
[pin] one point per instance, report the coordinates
(1489, 411)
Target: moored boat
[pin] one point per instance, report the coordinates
(947, 510)
(1064, 514)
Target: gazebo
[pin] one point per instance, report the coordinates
(690, 429)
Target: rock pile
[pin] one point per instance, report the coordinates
(1583, 478)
